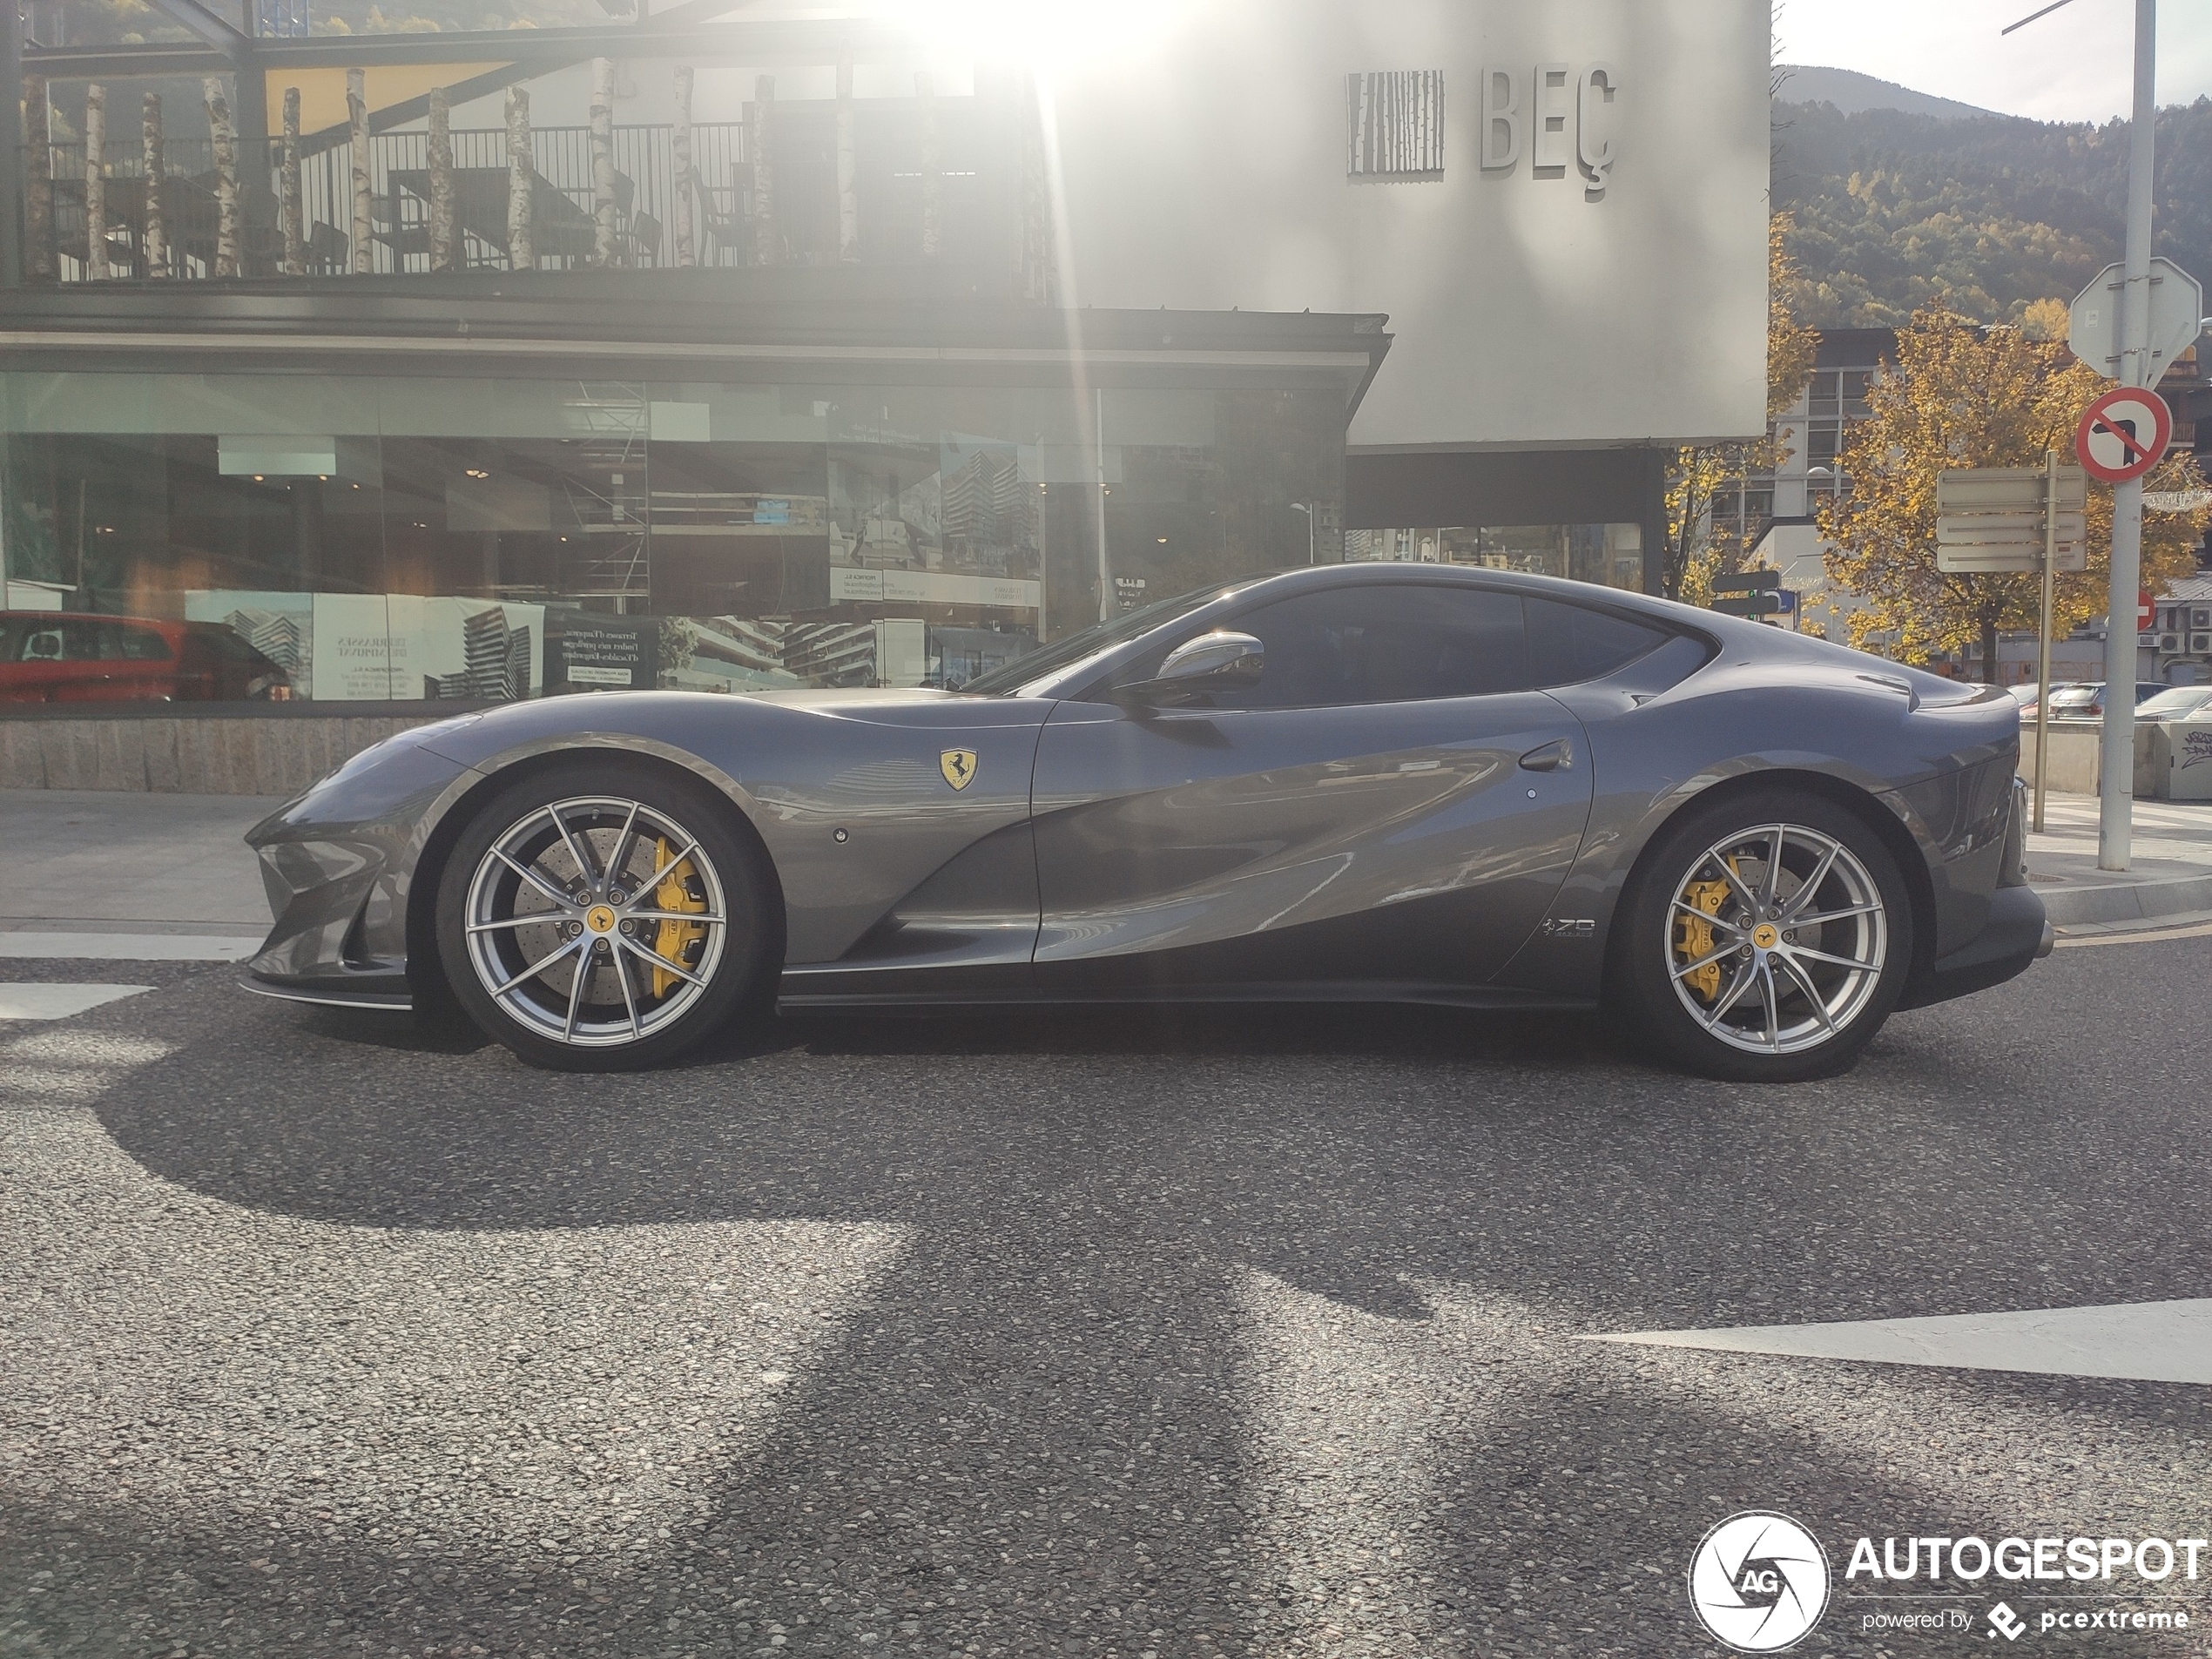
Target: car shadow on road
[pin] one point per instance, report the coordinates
(1562, 1040)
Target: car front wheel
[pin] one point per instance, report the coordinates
(1769, 938)
(605, 916)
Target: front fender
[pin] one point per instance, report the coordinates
(848, 794)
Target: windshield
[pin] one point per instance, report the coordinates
(1049, 659)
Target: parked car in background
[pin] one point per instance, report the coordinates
(2027, 696)
(2176, 703)
(2024, 693)
(2088, 702)
(58, 656)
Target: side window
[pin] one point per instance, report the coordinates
(144, 645)
(1384, 644)
(91, 641)
(1569, 644)
(41, 645)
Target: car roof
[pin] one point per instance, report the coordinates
(1731, 634)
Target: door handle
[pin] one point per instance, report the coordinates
(1556, 756)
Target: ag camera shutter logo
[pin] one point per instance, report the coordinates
(1759, 1582)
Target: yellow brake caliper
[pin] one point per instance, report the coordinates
(671, 893)
(1694, 936)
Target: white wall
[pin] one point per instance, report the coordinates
(1207, 169)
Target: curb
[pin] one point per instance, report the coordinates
(2072, 905)
(2190, 925)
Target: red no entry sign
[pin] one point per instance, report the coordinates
(2124, 435)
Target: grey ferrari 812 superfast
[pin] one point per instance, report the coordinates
(1366, 783)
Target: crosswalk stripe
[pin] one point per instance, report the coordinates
(24, 1001)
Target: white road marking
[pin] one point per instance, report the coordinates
(131, 948)
(2142, 1341)
(34, 1001)
(2137, 936)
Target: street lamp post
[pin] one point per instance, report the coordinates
(1307, 509)
(2116, 741)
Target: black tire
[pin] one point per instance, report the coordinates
(658, 983)
(1711, 973)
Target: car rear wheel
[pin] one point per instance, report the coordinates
(604, 917)
(1768, 937)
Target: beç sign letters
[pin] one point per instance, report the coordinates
(1566, 117)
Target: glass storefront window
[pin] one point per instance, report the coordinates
(412, 538)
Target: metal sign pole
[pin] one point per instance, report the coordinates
(2116, 743)
(1106, 606)
(2043, 652)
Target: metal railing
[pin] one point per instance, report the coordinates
(399, 172)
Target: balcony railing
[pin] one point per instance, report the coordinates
(804, 229)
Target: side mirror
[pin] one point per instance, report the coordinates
(1216, 662)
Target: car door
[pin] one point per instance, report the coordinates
(51, 672)
(92, 652)
(1392, 802)
(145, 666)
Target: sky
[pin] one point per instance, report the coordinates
(2074, 65)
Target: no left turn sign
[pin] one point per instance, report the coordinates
(2124, 435)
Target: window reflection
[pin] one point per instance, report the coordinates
(1609, 555)
(386, 539)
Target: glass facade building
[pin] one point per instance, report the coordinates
(911, 508)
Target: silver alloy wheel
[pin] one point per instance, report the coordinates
(596, 921)
(1775, 939)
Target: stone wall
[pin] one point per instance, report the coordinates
(188, 755)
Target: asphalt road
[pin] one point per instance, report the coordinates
(1244, 1333)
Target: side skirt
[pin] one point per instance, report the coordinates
(797, 996)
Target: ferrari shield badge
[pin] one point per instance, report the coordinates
(958, 766)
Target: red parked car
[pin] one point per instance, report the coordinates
(58, 657)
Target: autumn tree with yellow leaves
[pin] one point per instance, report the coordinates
(1962, 395)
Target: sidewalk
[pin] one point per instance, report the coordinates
(2169, 873)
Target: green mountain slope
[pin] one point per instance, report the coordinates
(1994, 213)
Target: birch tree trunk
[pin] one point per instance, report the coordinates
(363, 250)
(603, 163)
(521, 171)
(442, 215)
(932, 235)
(848, 205)
(292, 207)
(155, 166)
(764, 173)
(38, 180)
(224, 143)
(96, 264)
(686, 184)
